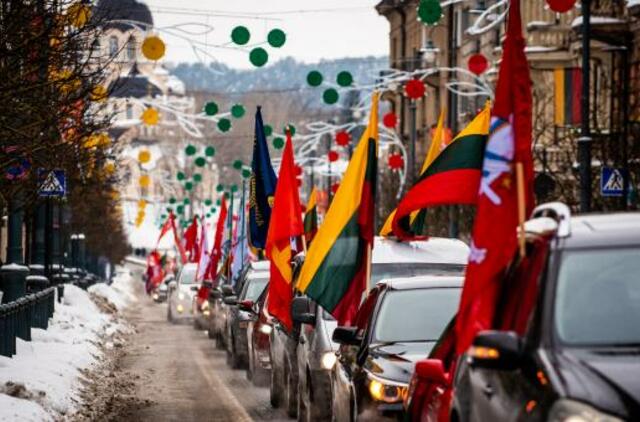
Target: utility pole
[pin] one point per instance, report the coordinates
(584, 141)
(452, 107)
(412, 147)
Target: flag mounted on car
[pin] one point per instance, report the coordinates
(453, 177)
(507, 173)
(337, 265)
(311, 216)
(262, 187)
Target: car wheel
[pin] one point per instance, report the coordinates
(303, 414)
(169, 315)
(250, 367)
(316, 409)
(211, 333)
(260, 376)
(236, 362)
(290, 392)
(275, 388)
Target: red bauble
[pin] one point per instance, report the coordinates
(333, 156)
(478, 64)
(343, 138)
(414, 89)
(297, 170)
(334, 188)
(390, 120)
(561, 6)
(395, 161)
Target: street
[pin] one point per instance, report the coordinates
(182, 374)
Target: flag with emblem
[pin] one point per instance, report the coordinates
(285, 227)
(494, 235)
(336, 268)
(262, 187)
(453, 177)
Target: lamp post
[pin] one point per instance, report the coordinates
(584, 141)
(13, 274)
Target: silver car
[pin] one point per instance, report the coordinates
(181, 294)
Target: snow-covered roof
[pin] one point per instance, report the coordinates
(539, 49)
(434, 250)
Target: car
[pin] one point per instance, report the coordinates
(310, 354)
(181, 293)
(159, 294)
(258, 331)
(217, 310)
(570, 350)
(397, 325)
(200, 305)
(239, 313)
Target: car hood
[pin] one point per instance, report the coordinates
(396, 361)
(607, 379)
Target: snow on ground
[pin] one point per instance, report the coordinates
(41, 382)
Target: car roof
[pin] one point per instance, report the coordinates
(253, 274)
(260, 265)
(433, 250)
(423, 282)
(614, 229)
(190, 265)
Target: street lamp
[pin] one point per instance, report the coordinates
(429, 53)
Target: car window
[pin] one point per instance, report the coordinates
(415, 314)
(188, 275)
(253, 288)
(598, 297)
(411, 269)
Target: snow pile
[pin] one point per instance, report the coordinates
(41, 381)
(119, 292)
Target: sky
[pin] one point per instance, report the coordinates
(316, 30)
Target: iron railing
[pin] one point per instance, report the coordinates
(18, 317)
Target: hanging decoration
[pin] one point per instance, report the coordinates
(211, 108)
(144, 181)
(180, 176)
(246, 173)
(390, 120)
(314, 78)
(237, 111)
(197, 178)
(268, 130)
(240, 35)
(78, 15)
(333, 156)
(429, 11)
(188, 186)
(219, 187)
(276, 38)
(200, 161)
(150, 116)
(258, 57)
(291, 128)
(153, 48)
(477, 64)
(330, 96)
(237, 164)
(561, 6)
(343, 138)
(278, 143)
(144, 156)
(172, 200)
(344, 79)
(98, 93)
(395, 161)
(209, 151)
(414, 89)
(224, 125)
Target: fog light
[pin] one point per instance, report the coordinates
(328, 360)
(155, 296)
(180, 308)
(386, 391)
(205, 312)
(180, 296)
(266, 329)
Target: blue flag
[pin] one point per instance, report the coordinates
(262, 188)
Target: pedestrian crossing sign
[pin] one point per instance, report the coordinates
(613, 181)
(52, 183)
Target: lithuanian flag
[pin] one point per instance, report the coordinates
(452, 178)
(568, 90)
(336, 268)
(311, 216)
(438, 143)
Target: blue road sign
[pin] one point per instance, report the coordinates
(612, 181)
(51, 183)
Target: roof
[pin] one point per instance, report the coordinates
(424, 282)
(112, 11)
(595, 230)
(434, 250)
(133, 85)
(260, 265)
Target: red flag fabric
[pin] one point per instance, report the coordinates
(494, 236)
(155, 274)
(216, 252)
(166, 227)
(191, 244)
(170, 224)
(285, 224)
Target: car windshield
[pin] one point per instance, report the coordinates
(411, 269)
(254, 287)
(598, 297)
(415, 314)
(188, 275)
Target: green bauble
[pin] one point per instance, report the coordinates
(330, 96)
(237, 164)
(429, 11)
(188, 185)
(208, 202)
(268, 130)
(200, 161)
(276, 38)
(278, 143)
(240, 35)
(197, 178)
(246, 173)
(258, 57)
(210, 108)
(190, 150)
(237, 111)
(210, 151)
(172, 200)
(314, 78)
(180, 176)
(224, 125)
(344, 78)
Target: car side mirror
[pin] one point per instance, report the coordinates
(347, 335)
(300, 307)
(231, 300)
(172, 285)
(432, 370)
(500, 350)
(227, 290)
(194, 288)
(169, 280)
(215, 294)
(246, 305)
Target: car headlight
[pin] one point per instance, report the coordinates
(204, 306)
(180, 296)
(386, 390)
(180, 308)
(155, 296)
(328, 360)
(572, 411)
(265, 329)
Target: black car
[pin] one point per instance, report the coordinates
(239, 313)
(566, 344)
(397, 325)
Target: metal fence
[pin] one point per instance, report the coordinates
(18, 317)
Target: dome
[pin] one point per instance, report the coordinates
(108, 12)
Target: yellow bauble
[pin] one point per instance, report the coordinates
(104, 140)
(109, 168)
(150, 116)
(153, 47)
(144, 181)
(142, 203)
(78, 15)
(98, 93)
(144, 156)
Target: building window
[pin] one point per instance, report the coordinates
(131, 48)
(113, 46)
(129, 111)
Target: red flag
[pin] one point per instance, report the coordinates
(494, 237)
(216, 252)
(191, 244)
(170, 224)
(166, 227)
(286, 223)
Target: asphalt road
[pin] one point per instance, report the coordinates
(178, 371)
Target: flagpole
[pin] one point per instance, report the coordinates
(521, 208)
(243, 217)
(368, 273)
